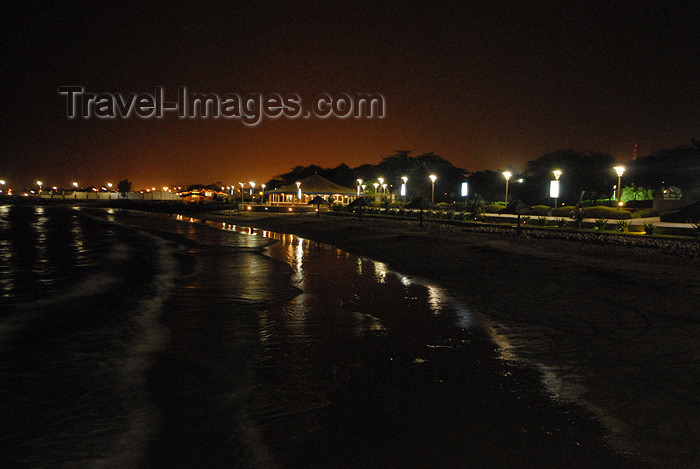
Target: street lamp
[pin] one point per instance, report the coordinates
(242, 189)
(432, 181)
(554, 190)
(252, 186)
(359, 185)
(376, 185)
(384, 189)
(299, 191)
(403, 187)
(39, 183)
(619, 170)
(507, 175)
(262, 193)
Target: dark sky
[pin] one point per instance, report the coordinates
(483, 84)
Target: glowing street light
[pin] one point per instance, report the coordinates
(252, 186)
(298, 183)
(359, 185)
(376, 186)
(242, 191)
(554, 186)
(619, 170)
(39, 183)
(403, 187)
(432, 181)
(75, 184)
(507, 175)
(262, 193)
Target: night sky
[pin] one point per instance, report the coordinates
(483, 84)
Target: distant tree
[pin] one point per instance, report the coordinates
(488, 184)
(391, 168)
(124, 185)
(678, 167)
(417, 169)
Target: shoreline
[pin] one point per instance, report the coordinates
(613, 328)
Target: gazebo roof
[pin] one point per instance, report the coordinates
(315, 184)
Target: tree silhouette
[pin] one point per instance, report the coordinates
(124, 185)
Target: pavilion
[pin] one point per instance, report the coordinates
(302, 192)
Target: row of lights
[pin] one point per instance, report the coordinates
(506, 174)
(107, 187)
(557, 174)
(361, 187)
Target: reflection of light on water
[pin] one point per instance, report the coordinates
(506, 351)
(406, 281)
(435, 298)
(6, 256)
(78, 240)
(300, 255)
(380, 271)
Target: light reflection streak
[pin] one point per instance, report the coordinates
(296, 248)
(380, 271)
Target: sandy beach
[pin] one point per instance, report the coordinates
(614, 329)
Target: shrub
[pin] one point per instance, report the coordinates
(562, 211)
(525, 219)
(623, 226)
(493, 208)
(601, 224)
(607, 212)
(645, 213)
(540, 210)
(560, 222)
(541, 221)
(649, 228)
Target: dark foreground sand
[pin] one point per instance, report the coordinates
(615, 329)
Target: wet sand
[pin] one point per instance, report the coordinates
(614, 329)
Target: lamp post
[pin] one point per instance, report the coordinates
(403, 187)
(262, 194)
(252, 187)
(381, 183)
(359, 185)
(432, 192)
(242, 189)
(298, 191)
(556, 173)
(39, 183)
(376, 185)
(507, 175)
(619, 170)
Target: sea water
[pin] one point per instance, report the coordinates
(130, 339)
